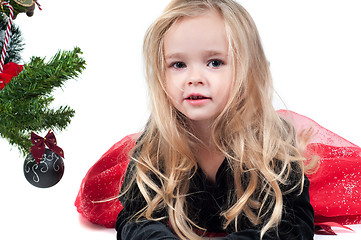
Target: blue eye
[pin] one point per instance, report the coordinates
(215, 63)
(178, 65)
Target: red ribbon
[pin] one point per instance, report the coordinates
(38, 148)
(10, 70)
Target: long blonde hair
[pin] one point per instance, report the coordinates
(249, 132)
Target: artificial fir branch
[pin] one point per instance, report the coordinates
(24, 102)
(16, 40)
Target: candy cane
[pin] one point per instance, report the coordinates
(6, 42)
(38, 4)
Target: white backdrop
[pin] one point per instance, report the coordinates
(315, 55)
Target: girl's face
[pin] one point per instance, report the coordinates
(198, 66)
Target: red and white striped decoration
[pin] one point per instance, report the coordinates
(7, 35)
(38, 4)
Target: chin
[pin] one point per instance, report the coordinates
(202, 119)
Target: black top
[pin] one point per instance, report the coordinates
(206, 201)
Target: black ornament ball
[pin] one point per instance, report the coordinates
(45, 174)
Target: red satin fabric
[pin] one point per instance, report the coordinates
(335, 188)
(38, 148)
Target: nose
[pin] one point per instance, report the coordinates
(194, 82)
(195, 77)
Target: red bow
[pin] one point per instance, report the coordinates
(10, 70)
(38, 149)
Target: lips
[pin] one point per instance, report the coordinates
(196, 97)
(197, 100)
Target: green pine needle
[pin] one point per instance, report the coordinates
(24, 102)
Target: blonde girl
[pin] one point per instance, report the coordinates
(215, 159)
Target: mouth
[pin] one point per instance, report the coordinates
(197, 97)
(197, 100)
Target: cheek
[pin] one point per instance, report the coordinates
(174, 99)
(173, 87)
(171, 91)
(226, 88)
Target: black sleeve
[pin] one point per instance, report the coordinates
(133, 201)
(146, 229)
(297, 220)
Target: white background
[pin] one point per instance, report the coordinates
(315, 55)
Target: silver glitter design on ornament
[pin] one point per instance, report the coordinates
(44, 168)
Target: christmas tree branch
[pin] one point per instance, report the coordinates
(24, 102)
(40, 78)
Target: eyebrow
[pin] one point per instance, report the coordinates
(173, 55)
(210, 53)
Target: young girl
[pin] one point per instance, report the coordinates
(215, 159)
